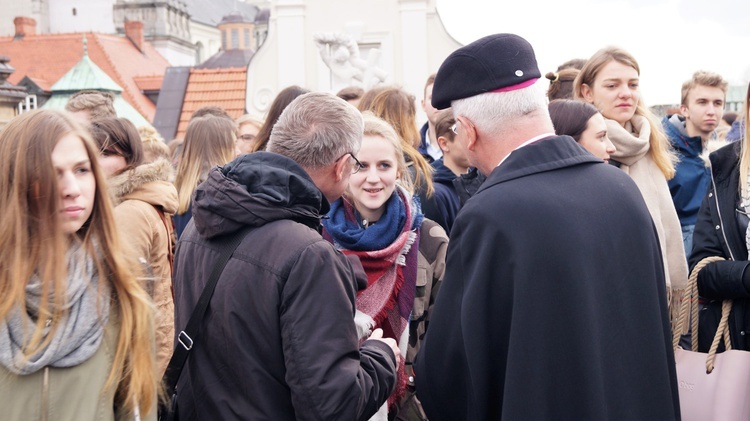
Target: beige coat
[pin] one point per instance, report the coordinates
(632, 143)
(138, 194)
(62, 394)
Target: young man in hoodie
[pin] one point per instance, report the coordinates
(701, 109)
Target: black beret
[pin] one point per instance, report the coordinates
(487, 64)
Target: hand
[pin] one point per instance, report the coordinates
(377, 335)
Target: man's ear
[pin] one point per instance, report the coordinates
(444, 144)
(470, 131)
(587, 93)
(684, 111)
(341, 167)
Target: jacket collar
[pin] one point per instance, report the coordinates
(674, 125)
(724, 161)
(547, 154)
(256, 189)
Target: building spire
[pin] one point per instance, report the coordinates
(85, 46)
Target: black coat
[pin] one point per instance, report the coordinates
(279, 340)
(553, 304)
(717, 233)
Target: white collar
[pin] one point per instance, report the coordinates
(526, 143)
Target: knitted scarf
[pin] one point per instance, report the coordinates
(389, 252)
(80, 332)
(633, 150)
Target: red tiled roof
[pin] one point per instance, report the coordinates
(50, 56)
(149, 83)
(223, 88)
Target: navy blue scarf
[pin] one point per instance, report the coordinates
(347, 232)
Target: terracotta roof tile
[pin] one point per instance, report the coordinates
(148, 83)
(223, 88)
(50, 56)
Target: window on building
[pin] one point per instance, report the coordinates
(75, 12)
(224, 40)
(28, 104)
(247, 38)
(235, 38)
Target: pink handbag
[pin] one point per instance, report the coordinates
(712, 386)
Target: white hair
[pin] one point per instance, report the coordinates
(492, 111)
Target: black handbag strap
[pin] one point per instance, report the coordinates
(187, 337)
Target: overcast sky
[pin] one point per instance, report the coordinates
(670, 38)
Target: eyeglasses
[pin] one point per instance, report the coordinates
(247, 138)
(357, 165)
(454, 128)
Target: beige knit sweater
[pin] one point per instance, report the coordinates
(632, 143)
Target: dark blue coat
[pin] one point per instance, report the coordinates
(692, 176)
(444, 205)
(553, 305)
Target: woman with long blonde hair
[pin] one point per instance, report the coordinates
(209, 141)
(610, 80)
(379, 220)
(398, 108)
(76, 337)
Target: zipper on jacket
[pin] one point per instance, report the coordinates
(721, 221)
(45, 394)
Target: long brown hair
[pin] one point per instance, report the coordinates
(659, 144)
(209, 141)
(118, 136)
(398, 108)
(33, 242)
(745, 149)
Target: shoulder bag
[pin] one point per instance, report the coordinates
(186, 338)
(712, 386)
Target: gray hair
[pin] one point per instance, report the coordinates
(492, 111)
(316, 129)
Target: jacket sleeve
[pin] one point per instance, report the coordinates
(329, 375)
(139, 235)
(718, 280)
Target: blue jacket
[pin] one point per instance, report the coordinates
(443, 206)
(692, 175)
(423, 144)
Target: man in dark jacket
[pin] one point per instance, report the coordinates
(553, 304)
(279, 340)
(700, 113)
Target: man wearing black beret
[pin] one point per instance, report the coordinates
(553, 304)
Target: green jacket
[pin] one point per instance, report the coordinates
(61, 394)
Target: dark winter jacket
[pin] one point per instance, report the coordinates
(468, 184)
(535, 319)
(692, 176)
(444, 204)
(279, 340)
(718, 233)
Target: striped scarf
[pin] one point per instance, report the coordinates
(389, 254)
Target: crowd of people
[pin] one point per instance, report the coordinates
(519, 256)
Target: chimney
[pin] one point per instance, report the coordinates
(134, 31)
(24, 26)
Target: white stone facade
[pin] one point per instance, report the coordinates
(409, 34)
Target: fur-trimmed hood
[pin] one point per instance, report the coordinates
(150, 183)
